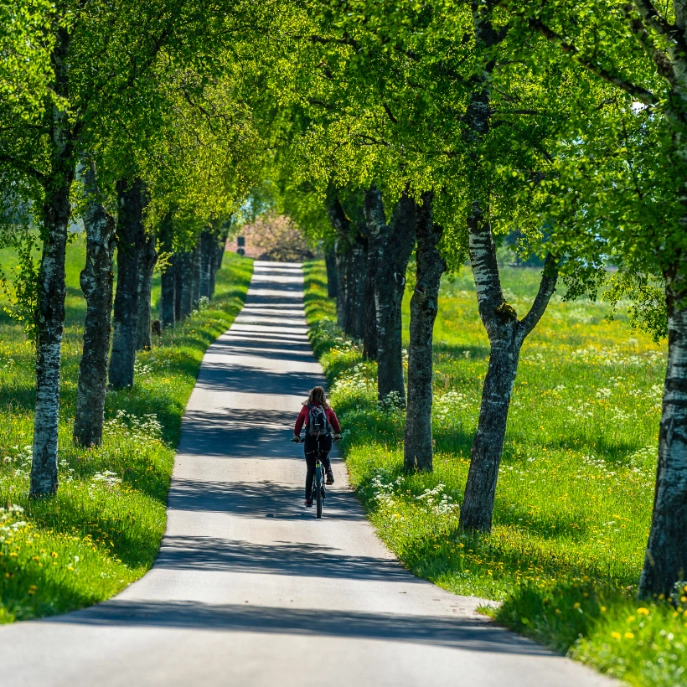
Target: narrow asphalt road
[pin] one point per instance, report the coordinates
(250, 588)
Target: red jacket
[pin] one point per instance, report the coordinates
(303, 418)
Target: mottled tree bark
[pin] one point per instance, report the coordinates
(355, 288)
(146, 267)
(377, 232)
(130, 236)
(418, 449)
(168, 279)
(206, 247)
(332, 277)
(96, 284)
(168, 296)
(196, 276)
(665, 562)
(219, 248)
(342, 267)
(177, 266)
(213, 265)
(389, 290)
(506, 335)
(56, 211)
(351, 251)
(186, 276)
(342, 227)
(223, 236)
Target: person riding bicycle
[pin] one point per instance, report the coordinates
(319, 420)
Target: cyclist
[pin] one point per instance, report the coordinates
(319, 419)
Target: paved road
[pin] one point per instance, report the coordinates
(250, 588)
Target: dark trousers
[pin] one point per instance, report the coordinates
(314, 448)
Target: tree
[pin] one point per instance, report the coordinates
(636, 206)
(424, 305)
(130, 242)
(389, 290)
(96, 283)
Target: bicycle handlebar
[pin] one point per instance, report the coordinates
(301, 439)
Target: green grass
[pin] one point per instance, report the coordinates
(103, 529)
(575, 488)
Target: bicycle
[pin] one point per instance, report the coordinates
(319, 490)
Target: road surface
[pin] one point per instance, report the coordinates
(250, 588)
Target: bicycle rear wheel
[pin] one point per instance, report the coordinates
(318, 490)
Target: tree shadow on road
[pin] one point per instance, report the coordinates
(468, 634)
(275, 558)
(266, 499)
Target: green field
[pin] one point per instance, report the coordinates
(103, 529)
(575, 487)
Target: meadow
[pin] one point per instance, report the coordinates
(575, 487)
(103, 529)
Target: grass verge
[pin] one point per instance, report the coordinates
(575, 488)
(103, 529)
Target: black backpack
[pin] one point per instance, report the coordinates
(317, 421)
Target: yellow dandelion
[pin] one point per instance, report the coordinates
(643, 611)
(629, 635)
(615, 635)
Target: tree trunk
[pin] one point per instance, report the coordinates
(377, 232)
(351, 249)
(665, 563)
(146, 267)
(178, 287)
(389, 290)
(370, 315)
(506, 335)
(186, 277)
(342, 227)
(342, 268)
(332, 277)
(223, 236)
(423, 311)
(96, 284)
(196, 277)
(130, 235)
(213, 265)
(51, 280)
(168, 279)
(219, 248)
(168, 296)
(355, 291)
(206, 246)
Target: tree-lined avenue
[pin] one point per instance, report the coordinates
(249, 587)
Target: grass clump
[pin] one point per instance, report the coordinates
(103, 529)
(575, 491)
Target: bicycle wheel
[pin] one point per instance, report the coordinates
(318, 490)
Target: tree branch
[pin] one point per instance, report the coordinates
(22, 167)
(372, 141)
(659, 57)
(389, 113)
(321, 103)
(346, 40)
(643, 95)
(547, 286)
(651, 16)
